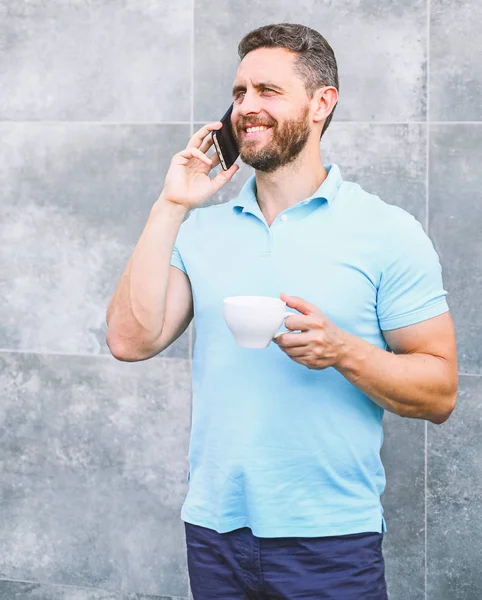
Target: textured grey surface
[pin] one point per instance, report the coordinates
(456, 229)
(380, 46)
(19, 590)
(94, 471)
(403, 455)
(128, 60)
(455, 65)
(75, 199)
(386, 160)
(91, 484)
(455, 499)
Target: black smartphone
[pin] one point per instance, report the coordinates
(225, 142)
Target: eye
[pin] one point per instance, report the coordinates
(239, 95)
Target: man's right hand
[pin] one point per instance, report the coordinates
(187, 182)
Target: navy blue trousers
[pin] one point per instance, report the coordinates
(240, 566)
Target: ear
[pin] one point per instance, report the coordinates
(324, 100)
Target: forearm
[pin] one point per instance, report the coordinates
(410, 385)
(136, 310)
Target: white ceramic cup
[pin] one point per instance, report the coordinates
(254, 320)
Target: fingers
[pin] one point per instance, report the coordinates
(223, 177)
(212, 160)
(207, 143)
(197, 147)
(299, 304)
(205, 146)
(189, 153)
(215, 159)
(198, 138)
(298, 322)
(297, 352)
(293, 340)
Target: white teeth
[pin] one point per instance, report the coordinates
(260, 128)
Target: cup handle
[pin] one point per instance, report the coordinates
(287, 314)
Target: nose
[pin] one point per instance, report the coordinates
(251, 104)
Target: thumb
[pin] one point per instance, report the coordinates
(299, 304)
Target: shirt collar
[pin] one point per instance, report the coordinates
(327, 191)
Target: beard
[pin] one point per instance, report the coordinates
(285, 144)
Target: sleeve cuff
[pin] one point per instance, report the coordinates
(416, 316)
(175, 262)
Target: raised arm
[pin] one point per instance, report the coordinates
(152, 304)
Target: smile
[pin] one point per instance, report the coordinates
(255, 131)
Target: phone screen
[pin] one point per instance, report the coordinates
(225, 142)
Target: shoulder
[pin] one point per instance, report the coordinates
(368, 208)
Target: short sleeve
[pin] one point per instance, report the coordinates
(411, 287)
(176, 260)
(181, 243)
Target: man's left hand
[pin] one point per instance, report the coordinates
(320, 343)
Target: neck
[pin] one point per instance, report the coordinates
(290, 184)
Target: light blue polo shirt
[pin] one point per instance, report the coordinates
(275, 446)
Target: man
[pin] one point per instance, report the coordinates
(285, 471)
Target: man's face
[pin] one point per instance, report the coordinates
(268, 92)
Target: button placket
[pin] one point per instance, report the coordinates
(270, 242)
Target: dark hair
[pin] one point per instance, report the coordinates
(316, 63)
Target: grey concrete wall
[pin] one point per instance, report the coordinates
(95, 98)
